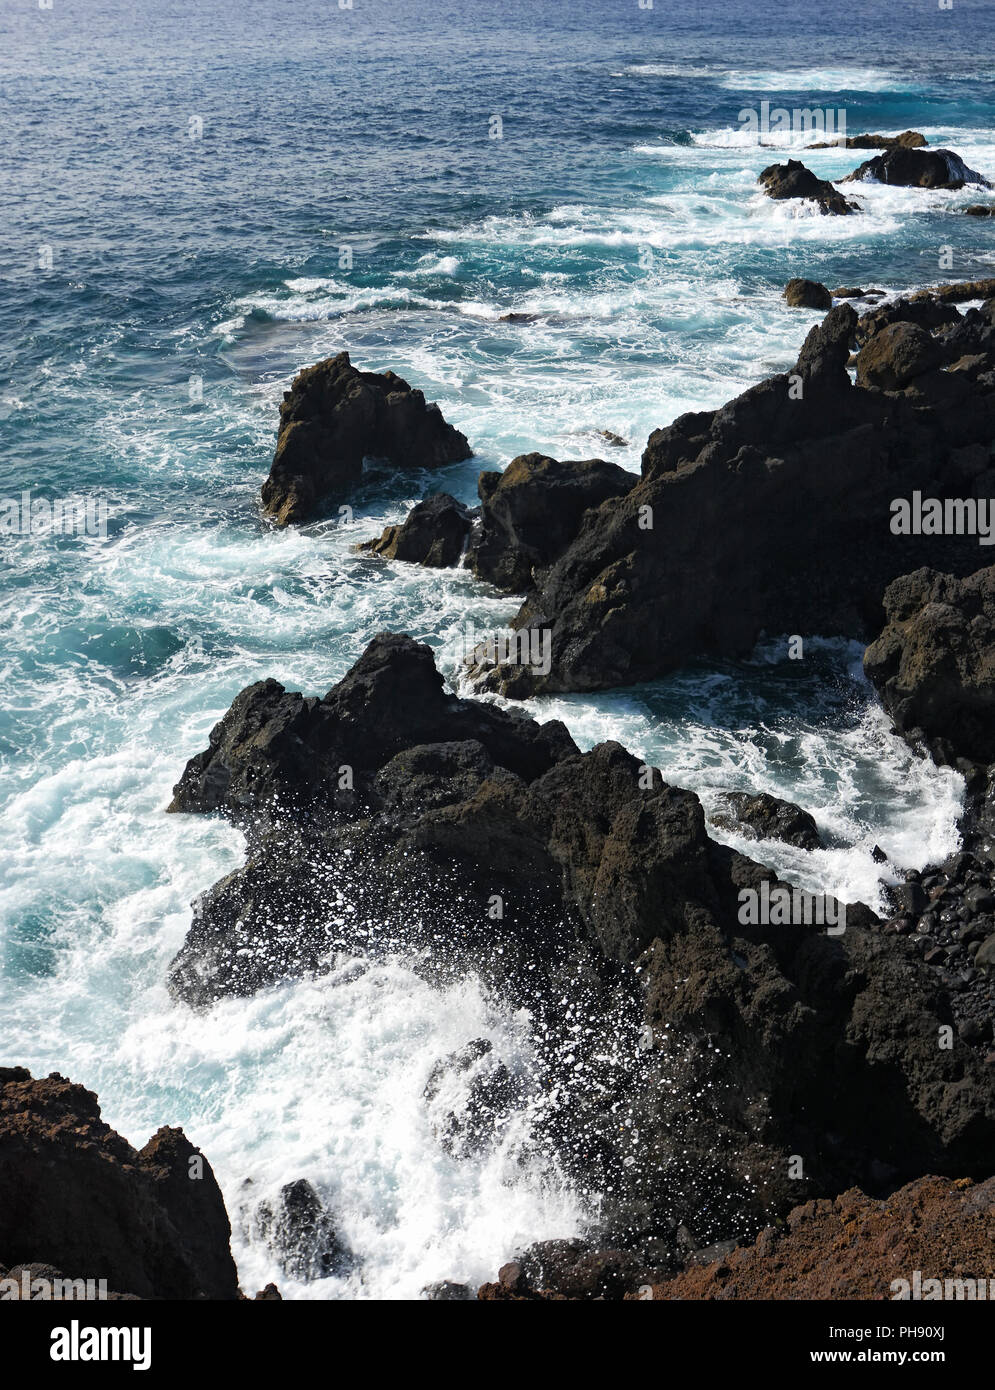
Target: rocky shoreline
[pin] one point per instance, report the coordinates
(716, 1078)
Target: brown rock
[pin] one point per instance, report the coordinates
(76, 1195)
(859, 1248)
(807, 294)
(895, 356)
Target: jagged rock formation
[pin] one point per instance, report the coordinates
(774, 513)
(533, 510)
(76, 1196)
(794, 180)
(528, 516)
(332, 418)
(582, 886)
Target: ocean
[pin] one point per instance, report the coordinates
(199, 200)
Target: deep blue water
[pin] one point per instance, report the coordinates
(196, 171)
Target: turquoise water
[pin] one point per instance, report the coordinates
(190, 278)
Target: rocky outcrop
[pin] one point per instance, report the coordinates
(533, 510)
(914, 168)
(528, 516)
(773, 514)
(794, 180)
(434, 534)
(859, 1247)
(767, 817)
(934, 663)
(76, 1196)
(807, 294)
(567, 1270)
(896, 355)
(391, 816)
(852, 1247)
(300, 1231)
(908, 140)
(332, 418)
(958, 293)
(980, 210)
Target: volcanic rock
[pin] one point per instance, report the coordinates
(914, 168)
(581, 886)
(533, 510)
(794, 180)
(75, 1195)
(332, 418)
(807, 294)
(768, 818)
(934, 663)
(860, 1247)
(301, 1232)
(772, 514)
(895, 355)
(434, 534)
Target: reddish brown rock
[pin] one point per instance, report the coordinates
(76, 1196)
(857, 1247)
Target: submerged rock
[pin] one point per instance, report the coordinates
(301, 1233)
(908, 140)
(335, 416)
(474, 1094)
(447, 1291)
(794, 180)
(75, 1195)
